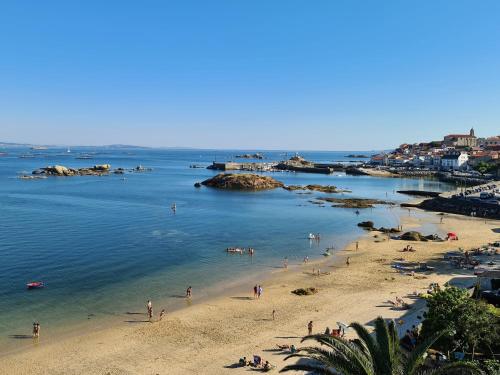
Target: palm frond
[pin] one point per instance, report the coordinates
(470, 368)
(416, 357)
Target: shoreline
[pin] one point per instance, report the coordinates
(235, 284)
(224, 328)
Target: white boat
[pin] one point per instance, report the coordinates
(68, 150)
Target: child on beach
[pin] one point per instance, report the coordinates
(259, 293)
(162, 312)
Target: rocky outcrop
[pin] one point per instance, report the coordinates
(353, 202)
(305, 291)
(357, 156)
(468, 207)
(62, 171)
(320, 188)
(417, 236)
(242, 181)
(366, 224)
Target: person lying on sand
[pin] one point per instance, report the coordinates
(286, 347)
(244, 362)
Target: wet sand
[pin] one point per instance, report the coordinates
(208, 337)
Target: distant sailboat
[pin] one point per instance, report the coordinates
(68, 150)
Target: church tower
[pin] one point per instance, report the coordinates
(472, 132)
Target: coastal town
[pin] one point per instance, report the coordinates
(461, 153)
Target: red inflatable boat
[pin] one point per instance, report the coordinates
(35, 285)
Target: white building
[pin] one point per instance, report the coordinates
(454, 161)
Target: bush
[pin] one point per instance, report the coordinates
(470, 325)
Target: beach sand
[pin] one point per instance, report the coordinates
(209, 336)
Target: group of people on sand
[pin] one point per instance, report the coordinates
(237, 250)
(257, 291)
(149, 305)
(399, 303)
(258, 362)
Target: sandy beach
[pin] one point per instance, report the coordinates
(209, 337)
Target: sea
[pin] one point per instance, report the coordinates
(103, 246)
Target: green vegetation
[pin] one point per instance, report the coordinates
(484, 168)
(378, 354)
(469, 325)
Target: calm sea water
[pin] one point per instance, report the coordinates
(104, 245)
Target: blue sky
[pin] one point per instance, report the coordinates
(325, 75)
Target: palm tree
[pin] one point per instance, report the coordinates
(380, 354)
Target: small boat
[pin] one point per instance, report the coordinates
(327, 253)
(35, 285)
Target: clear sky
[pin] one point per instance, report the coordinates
(259, 74)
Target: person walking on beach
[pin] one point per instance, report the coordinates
(306, 259)
(162, 312)
(189, 292)
(348, 261)
(310, 328)
(357, 245)
(259, 293)
(274, 314)
(150, 309)
(285, 263)
(255, 291)
(36, 330)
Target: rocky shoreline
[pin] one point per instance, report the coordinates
(96, 170)
(353, 202)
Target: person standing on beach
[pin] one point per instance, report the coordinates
(189, 292)
(285, 263)
(348, 261)
(255, 291)
(259, 293)
(150, 309)
(310, 328)
(357, 245)
(36, 330)
(274, 314)
(162, 312)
